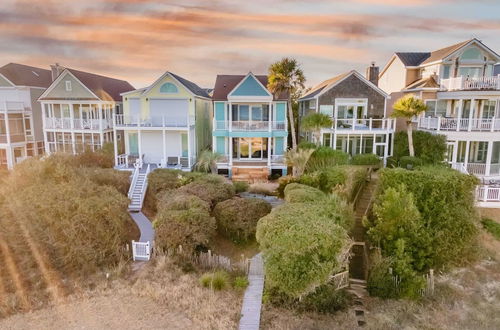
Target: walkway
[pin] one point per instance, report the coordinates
(145, 226)
(252, 301)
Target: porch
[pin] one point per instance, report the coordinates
(480, 158)
(129, 162)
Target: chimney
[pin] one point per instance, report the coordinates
(372, 73)
(56, 70)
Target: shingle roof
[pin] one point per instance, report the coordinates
(413, 58)
(428, 82)
(320, 87)
(103, 87)
(443, 52)
(195, 89)
(24, 75)
(224, 84)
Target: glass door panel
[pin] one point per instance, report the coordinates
(256, 148)
(244, 148)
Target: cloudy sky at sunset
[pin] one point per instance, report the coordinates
(138, 40)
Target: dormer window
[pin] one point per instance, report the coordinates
(68, 86)
(168, 88)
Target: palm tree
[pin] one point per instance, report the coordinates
(286, 76)
(207, 161)
(408, 107)
(314, 122)
(298, 159)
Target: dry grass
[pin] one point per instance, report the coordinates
(264, 188)
(493, 214)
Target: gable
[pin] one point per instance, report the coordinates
(249, 87)
(167, 87)
(4, 82)
(78, 90)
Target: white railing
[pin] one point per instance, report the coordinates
(122, 160)
(221, 125)
(459, 124)
(177, 162)
(135, 175)
(152, 121)
(488, 194)
(77, 124)
(11, 106)
(369, 124)
(250, 125)
(467, 83)
(141, 251)
(277, 158)
(145, 185)
(476, 168)
(279, 125)
(459, 167)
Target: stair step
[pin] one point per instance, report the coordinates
(356, 281)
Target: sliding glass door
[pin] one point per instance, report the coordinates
(249, 148)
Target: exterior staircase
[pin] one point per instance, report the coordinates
(250, 175)
(138, 188)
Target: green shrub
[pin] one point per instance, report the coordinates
(430, 148)
(301, 248)
(218, 280)
(325, 157)
(209, 189)
(240, 282)
(408, 162)
(492, 227)
(380, 282)
(307, 145)
(240, 186)
(237, 217)
(299, 193)
(175, 200)
(283, 182)
(366, 159)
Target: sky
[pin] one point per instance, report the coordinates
(138, 40)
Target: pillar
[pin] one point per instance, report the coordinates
(489, 155)
(269, 151)
(164, 144)
(459, 114)
(139, 144)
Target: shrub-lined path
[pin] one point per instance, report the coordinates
(252, 301)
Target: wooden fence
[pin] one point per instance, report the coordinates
(428, 290)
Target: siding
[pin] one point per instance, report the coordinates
(78, 91)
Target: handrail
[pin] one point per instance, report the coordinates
(132, 184)
(145, 185)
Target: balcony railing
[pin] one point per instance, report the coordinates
(459, 124)
(11, 106)
(368, 124)
(77, 124)
(488, 193)
(275, 159)
(153, 121)
(250, 125)
(471, 83)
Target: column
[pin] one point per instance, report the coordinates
(230, 156)
(455, 153)
(99, 117)
(44, 126)
(269, 151)
(466, 159)
(72, 126)
(334, 137)
(139, 142)
(189, 147)
(272, 117)
(115, 141)
(164, 146)
(471, 113)
(489, 155)
(459, 114)
(230, 117)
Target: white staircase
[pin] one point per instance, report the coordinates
(138, 188)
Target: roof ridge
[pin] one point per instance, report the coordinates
(94, 74)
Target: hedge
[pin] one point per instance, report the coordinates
(299, 193)
(366, 159)
(430, 148)
(237, 217)
(211, 189)
(326, 157)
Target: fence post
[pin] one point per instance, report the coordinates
(431, 272)
(133, 250)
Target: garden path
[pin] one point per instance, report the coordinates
(252, 301)
(145, 226)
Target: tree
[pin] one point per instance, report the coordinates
(286, 76)
(207, 161)
(408, 107)
(297, 159)
(314, 122)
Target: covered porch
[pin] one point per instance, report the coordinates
(480, 158)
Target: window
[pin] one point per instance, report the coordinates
(68, 85)
(470, 71)
(471, 54)
(436, 108)
(446, 71)
(168, 88)
(327, 139)
(489, 109)
(431, 108)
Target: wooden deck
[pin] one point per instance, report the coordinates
(252, 301)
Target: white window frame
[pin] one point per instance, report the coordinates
(68, 85)
(352, 102)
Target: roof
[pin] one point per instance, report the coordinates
(320, 87)
(428, 82)
(24, 75)
(195, 89)
(413, 58)
(103, 86)
(224, 84)
(443, 52)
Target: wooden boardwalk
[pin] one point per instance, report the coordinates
(252, 301)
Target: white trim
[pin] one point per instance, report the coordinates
(58, 80)
(250, 97)
(146, 90)
(10, 82)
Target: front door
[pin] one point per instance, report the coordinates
(133, 145)
(248, 148)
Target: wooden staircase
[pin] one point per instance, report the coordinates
(250, 174)
(138, 189)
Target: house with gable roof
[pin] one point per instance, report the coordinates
(249, 127)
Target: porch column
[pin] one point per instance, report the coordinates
(471, 113)
(164, 146)
(230, 156)
(489, 155)
(7, 124)
(459, 114)
(455, 152)
(115, 141)
(466, 160)
(334, 137)
(269, 151)
(271, 117)
(230, 117)
(99, 116)
(72, 125)
(189, 147)
(139, 142)
(44, 126)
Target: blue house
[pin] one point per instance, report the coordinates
(250, 127)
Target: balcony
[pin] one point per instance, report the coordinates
(369, 124)
(459, 124)
(77, 124)
(278, 160)
(123, 121)
(11, 106)
(471, 83)
(250, 125)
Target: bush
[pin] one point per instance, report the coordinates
(492, 227)
(240, 282)
(307, 145)
(109, 177)
(210, 189)
(302, 249)
(325, 157)
(237, 217)
(215, 281)
(103, 158)
(175, 200)
(299, 193)
(408, 162)
(240, 186)
(366, 159)
(430, 148)
(380, 282)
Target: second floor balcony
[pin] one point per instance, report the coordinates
(77, 123)
(459, 124)
(367, 124)
(250, 125)
(9, 106)
(471, 83)
(151, 121)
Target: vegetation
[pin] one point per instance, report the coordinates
(307, 145)
(237, 217)
(286, 77)
(240, 282)
(492, 227)
(423, 219)
(240, 186)
(408, 107)
(207, 161)
(218, 280)
(325, 157)
(409, 162)
(366, 159)
(210, 188)
(297, 159)
(314, 122)
(429, 148)
(299, 193)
